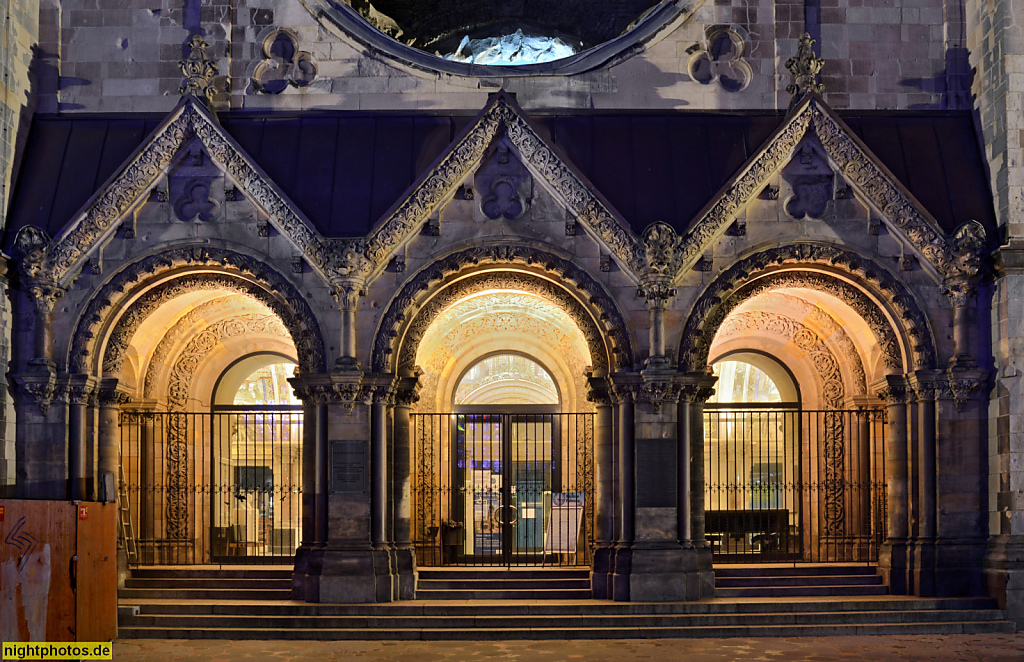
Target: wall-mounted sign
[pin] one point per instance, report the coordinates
(348, 467)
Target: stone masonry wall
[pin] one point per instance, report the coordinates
(889, 54)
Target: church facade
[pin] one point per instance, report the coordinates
(727, 284)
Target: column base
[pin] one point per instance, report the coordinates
(922, 573)
(602, 573)
(335, 574)
(306, 575)
(663, 574)
(894, 566)
(405, 574)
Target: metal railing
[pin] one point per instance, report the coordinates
(791, 485)
(220, 487)
(503, 488)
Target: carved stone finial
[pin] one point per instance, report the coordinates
(804, 68)
(199, 70)
(30, 248)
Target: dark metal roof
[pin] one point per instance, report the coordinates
(344, 170)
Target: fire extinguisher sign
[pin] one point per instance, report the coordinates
(83, 512)
(1, 513)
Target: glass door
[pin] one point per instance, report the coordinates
(505, 467)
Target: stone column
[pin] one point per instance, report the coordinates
(893, 562)
(923, 543)
(80, 394)
(41, 451)
(312, 390)
(111, 399)
(623, 389)
(604, 484)
(406, 395)
(699, 389)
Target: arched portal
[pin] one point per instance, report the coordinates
(210, 432)
(797, 472)
(502, 436)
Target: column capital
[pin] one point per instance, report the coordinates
(112, 393)
(77, 389)
(892, 390)
(38, 385)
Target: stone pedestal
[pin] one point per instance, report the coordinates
(894, 566)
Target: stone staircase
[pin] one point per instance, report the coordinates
(207, 583)
(503, 584)
(793, 581)
(252, 603)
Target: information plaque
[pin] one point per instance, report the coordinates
(348, 467)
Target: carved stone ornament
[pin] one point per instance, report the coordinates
(45, 294)
(199, 71)
(39, 386)
(804, 68)
(873, 182)
(30, 248)
(656, 293)
(437, 186)
(515, 281)
(746, 278)
(963, 385)
(658, 391)
(67, 255)
(660, 244)
(283, 64)
(721, 60)
(253, 278)
(606, 325)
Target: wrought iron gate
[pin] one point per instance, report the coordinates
(503, 488)
(221, 487)
(789, 485)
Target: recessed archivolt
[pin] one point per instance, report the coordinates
(747, 278)
(604, 330)
(192, 322)
(260, 281)
(829, 329)
(804, 338)
(507, 281)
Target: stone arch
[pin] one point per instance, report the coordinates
(425, 295)
(241, 273)
(821, 358)
(156, 367)
(752, 275)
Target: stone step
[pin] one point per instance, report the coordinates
(503, 573)
(200, 572)
(775, 570)
(212, 593)
(407, 609)
(560, 621)
(494, 583)
(510, 593)
(234, 583)
(539, 633)
(800, 591)
(799, 580)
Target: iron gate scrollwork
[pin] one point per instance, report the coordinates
(220, 487)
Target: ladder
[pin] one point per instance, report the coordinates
(124, 518)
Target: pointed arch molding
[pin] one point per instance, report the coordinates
(747, 278)
(70, 250)
(858, 166)
(413, 309)
(502, 115)
(243, 274)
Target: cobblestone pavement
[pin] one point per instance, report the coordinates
(991, 648)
